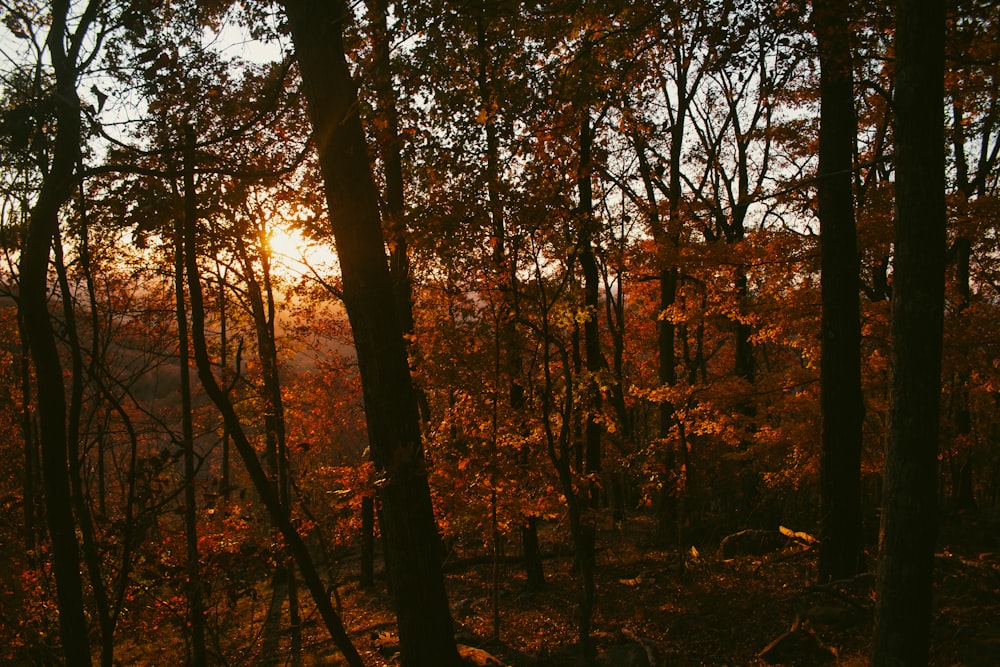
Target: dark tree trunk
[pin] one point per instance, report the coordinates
(586, 535)
(43, 229)
(903, 604)
(842, 404)
(30, 444)
(746, 361)
(425, 628)
(665, 329)
(90, 550)
(86, 267)
(532, 554)
(963, 495)
(224, 364)
(504, 328)
(196, 609)
(591, 288)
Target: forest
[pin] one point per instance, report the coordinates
(494, 332)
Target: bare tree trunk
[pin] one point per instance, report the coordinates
(425, 628)
(587, 531)
(224, 363)
(91, 555)
(909, 513)
(30, 443)
(390, 144)
(840, 369)
(532, 554)
(43, 231)
(196, 611)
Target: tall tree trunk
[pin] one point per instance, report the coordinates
(962, 493)
(592, 350)
(196, 610)
(90, 551)
(28, 434)
(534, 573)
(43, 231)
(224, 366)
(425, 628)
(591, 288)
(903, 604)
(666, 331)
(842, 404)
(86, 267)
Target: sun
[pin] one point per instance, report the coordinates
(293, 253)
(286, 242)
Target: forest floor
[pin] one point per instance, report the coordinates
(718, 612)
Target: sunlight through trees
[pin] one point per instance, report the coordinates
(434, 333)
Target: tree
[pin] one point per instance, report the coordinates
(906, 555)
(683, 37)
(842, 404)
(425, 628)
(64, 45)
(972, 90)
(196, 615)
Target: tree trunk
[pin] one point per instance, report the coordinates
(224, 364)
(903, 604)
(842, 403)
(27, 432)
(196, 610)
(425, 628)
(963, 495)
(43, 229)
(586, 535)
(535, 575)
(90, 550)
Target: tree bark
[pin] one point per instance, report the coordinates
(27, 432)
(903, 605)
(89, 547)
(43, 229)
(535, 574)
(426, 634)
(586, 535)
(842, 403)
(196, 608)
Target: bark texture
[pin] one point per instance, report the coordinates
(840, 369)
(903, 605)
(43, 229)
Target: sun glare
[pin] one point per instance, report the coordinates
(285, 242)
(294, 253)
